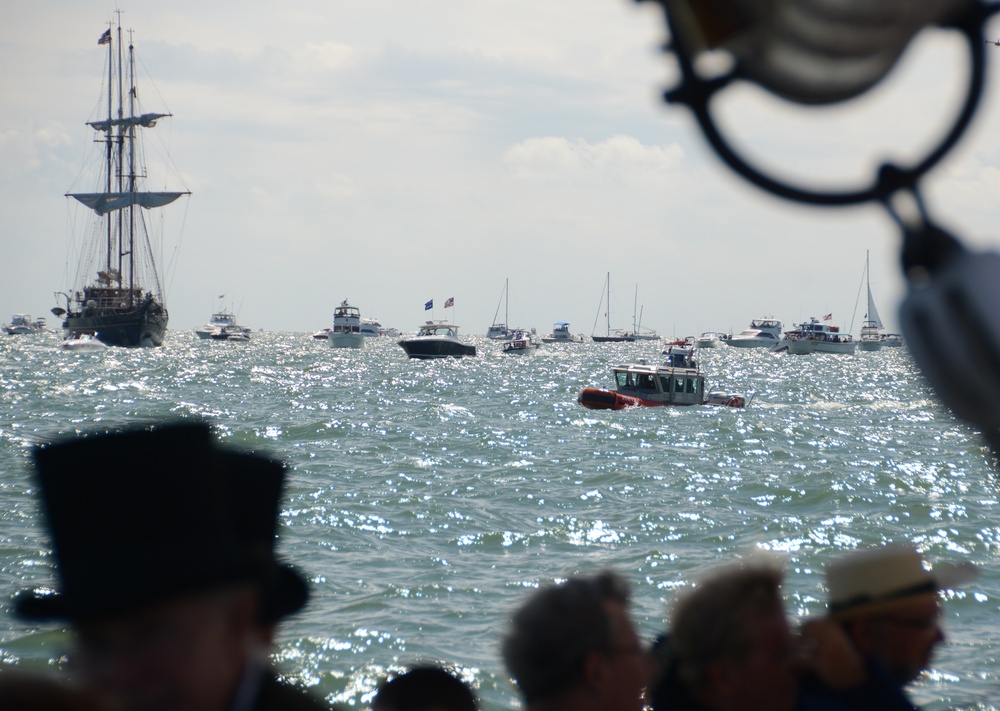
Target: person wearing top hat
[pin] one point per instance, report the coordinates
(882, 627)
(166, 572)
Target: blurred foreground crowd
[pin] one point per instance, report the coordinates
(169, 581)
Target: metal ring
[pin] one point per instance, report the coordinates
(696, 93)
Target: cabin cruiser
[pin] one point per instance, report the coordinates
(522, 341)
(871, 339)
(560, 334)
(814, 336)
(762, 333)
(22, 324)
(346, 331)
(436, 339)
(220, 320)
(677, 381)
(708, 339)
(370, 327)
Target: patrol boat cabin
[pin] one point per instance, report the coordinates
(677, 381)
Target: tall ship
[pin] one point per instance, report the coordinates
(117, 293)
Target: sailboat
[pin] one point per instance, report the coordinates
(640, 333)
(117, 292)
(871, 335)
(618, 335)
(500, 331)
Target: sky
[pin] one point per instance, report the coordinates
(390, 153)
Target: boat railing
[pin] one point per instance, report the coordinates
(110, 298)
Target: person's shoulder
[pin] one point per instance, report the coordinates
(275, 695)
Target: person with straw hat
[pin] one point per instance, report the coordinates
(163, 545)
(882, 627)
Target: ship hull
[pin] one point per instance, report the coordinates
(143, 326)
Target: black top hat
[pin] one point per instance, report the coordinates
(144, 515)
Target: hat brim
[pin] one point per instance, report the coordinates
(951, 575)
(944, 576)
(284, 591)
(284, 594)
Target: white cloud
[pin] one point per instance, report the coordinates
(623, 160)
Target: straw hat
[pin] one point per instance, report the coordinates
(865, 581)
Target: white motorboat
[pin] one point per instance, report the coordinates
(346, 331)
(23, 325)
(83, 343)
(232, 333)
(522, 342)
(762, 333)
(560, 334)
(370, 327)
(892, 340)
(436, 339)
(814, 336)
(871, 327)
(322, 334)
(708, 339)
(388, 331)
(220, 321)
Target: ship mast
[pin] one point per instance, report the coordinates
(119, 176)
(131, 171)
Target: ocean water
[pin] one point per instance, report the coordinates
(425, 500)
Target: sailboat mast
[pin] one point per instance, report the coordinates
(607, 313)
(506, 308)
(635, 302)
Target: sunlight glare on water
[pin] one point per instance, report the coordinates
(424, 500)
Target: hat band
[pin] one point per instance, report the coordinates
(866, 599)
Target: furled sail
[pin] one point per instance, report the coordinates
(103, 203)
(145, 120)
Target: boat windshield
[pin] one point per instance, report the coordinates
(438, 331)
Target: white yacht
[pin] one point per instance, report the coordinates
(346, 331)
(370, 327)
(560, 334)
(762, 333)
(814, 336)
(220, 321)
(708, 339)
(22, 324)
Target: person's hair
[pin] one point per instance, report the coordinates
(424, 688)
(712, 621)
(552, 634)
